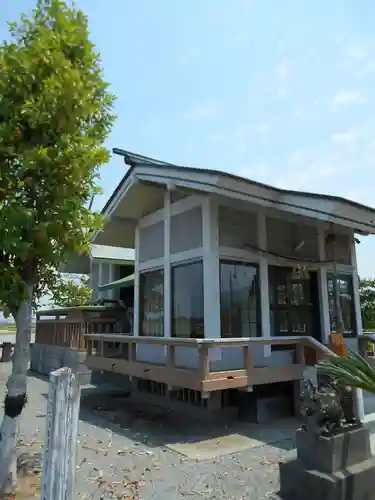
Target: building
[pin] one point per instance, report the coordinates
(234, 288)
(60, 332)
(109, 269)
(233, 283)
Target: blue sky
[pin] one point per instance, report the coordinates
(279, 91)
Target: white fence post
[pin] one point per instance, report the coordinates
(60, 450)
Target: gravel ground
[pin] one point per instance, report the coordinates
(122, 455)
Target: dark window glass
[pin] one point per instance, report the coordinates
(294, 307)
(151, 302)
(345, 286)
(187, 301)
(239, 298)
(124, 271)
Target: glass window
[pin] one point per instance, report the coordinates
(345, 285)
(294, 306)
(151, 301)
(239, 298)
(187, 301)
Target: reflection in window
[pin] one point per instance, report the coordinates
(151, 301)
(345, 284)
(187, 301)
(293, 303)
(239, 297)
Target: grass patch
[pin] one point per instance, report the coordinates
(6, 327)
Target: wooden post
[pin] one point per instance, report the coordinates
(59, 469)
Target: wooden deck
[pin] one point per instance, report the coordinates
(118, 354)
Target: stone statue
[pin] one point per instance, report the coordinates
(327, 410)
(321, 410)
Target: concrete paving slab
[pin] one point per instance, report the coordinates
(228, 444)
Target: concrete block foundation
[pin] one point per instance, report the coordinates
(46, 358)
(338, 467)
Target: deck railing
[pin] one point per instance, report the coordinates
(118, 354)
(71, 334)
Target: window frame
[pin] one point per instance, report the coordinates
(349, 278)
(174, 266)
(254, 265)
(141, 301)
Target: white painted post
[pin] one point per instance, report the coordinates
(137, 310)
(211, 274)
(263, 278)
(100, 277)
(167, 268)
(59, 469)
(358, 318)
(323, 288)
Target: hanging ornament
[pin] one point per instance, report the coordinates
(300, 272)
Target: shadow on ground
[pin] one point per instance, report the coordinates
(155, 426)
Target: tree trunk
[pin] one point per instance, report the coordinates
(15, 399)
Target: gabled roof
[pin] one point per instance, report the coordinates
(139, 193)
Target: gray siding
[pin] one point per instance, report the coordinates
(105, 274)
(94, 280)
(186, 230)
(105, 278)
(151, 242)
(237, 229)
(283, 236)
(341, 252)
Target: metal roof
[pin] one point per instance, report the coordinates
(112, 253)
(133, 160)
(126, 282)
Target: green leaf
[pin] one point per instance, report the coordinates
(55, 115)
(353, 371)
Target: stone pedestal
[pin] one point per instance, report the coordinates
(6, 354)
(340, 467)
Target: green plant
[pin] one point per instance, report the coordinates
(68, 292)
(367, 298)
(352, 371)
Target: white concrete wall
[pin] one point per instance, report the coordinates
(229, 359)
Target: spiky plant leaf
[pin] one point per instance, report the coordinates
(353, 371)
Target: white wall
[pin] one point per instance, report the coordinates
(196, 227)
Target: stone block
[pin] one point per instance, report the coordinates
(6, 352)
(34, 357)
(355, 482)
(330, 454)
(72, 357)
(255, 408)
(85, 378)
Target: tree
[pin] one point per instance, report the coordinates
(367, 297)
(71, 292)
(55, 114)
